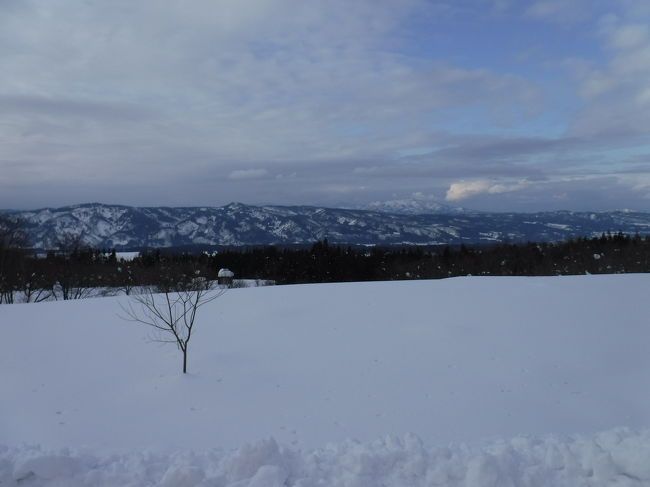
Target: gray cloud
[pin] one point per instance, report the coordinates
(29, 105)
(284, 101)
(124, 90)
(248, 174)
(617, 94)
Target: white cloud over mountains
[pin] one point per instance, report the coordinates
(464, 189)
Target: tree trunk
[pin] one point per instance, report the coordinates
(185, 361)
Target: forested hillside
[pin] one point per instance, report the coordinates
(71, 273)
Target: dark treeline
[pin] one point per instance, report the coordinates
(607, 254)
(72, 271)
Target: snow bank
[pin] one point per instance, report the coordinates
(616, 457)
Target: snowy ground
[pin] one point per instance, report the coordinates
(501, 381)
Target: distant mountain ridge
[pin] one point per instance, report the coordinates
(237, 224)
(414, 206)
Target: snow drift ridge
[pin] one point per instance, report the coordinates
(615, 457)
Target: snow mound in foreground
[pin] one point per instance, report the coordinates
(616, 457)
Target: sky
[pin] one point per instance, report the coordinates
(497, 105)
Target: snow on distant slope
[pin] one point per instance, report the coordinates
(122, 227)
(415, 206)
(480, 361)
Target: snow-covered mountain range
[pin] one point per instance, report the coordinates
(414, 206)
(123, 227)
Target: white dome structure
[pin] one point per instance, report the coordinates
(225, 277)
(225, 273)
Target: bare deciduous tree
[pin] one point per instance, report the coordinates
(35, 288)
(72, 278)
(172, 313)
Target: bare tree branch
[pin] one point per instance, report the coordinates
(171, 312)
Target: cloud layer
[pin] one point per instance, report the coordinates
(323, 102)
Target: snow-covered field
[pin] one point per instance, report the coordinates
(466, 381)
